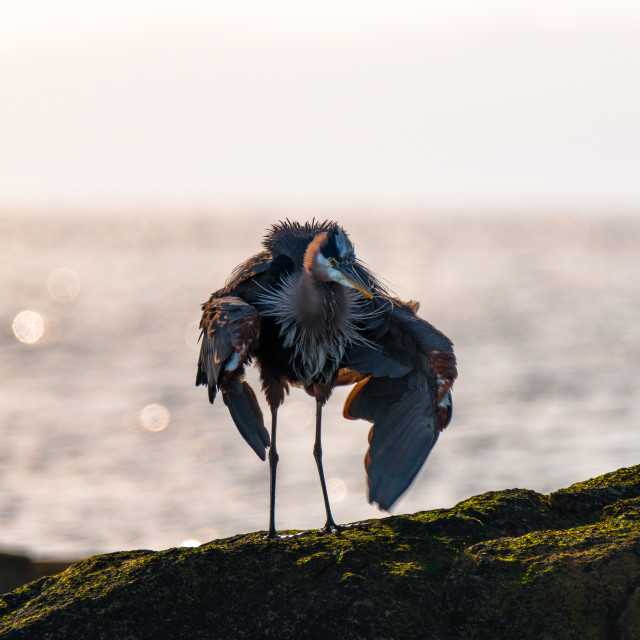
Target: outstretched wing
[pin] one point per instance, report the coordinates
(230, 327)
(406, 373)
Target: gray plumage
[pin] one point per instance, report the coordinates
(309, 314)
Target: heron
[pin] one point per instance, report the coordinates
(309, 314)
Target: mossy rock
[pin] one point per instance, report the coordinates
(502, 565)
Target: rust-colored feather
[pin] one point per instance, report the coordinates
(354, 392)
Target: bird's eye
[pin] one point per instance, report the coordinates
(332, 262)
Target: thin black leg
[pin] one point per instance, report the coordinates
(273, 463)
(330, 525)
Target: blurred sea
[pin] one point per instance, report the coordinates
(106, 444)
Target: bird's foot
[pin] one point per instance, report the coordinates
(332, 527)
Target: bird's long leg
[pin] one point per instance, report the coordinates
(273, 463)
(330, 525)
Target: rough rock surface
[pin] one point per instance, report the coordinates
(502, 565)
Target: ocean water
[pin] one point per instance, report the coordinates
(106, 444)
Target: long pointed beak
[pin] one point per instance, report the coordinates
(352, 279)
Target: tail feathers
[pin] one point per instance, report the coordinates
(247, 415)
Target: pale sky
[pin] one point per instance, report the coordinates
(456, 104)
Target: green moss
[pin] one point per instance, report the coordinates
(585, 501)
(485, 568)
(627, 478)
(411, 569)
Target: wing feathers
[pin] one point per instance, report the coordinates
(406, 395)
(403, 434)
(365, 358)
(230, 326)
(247, 415)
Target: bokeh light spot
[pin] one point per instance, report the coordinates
(191, 542)
(63, 284)
(296, 415)
(28, 326)
(337, 489)
(155, 417)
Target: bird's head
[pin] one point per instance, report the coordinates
(330, 258)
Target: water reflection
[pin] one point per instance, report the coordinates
(164, 336)
(63, 284)
(190, 542)
(544, 317)
(206, 534)
(202, 536)
(121, 318)
(155, 417)
(192, 334)
(28, 326)
(297, 415)
(337, 489)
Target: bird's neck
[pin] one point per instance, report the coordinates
(311, 300)
(311, 264)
